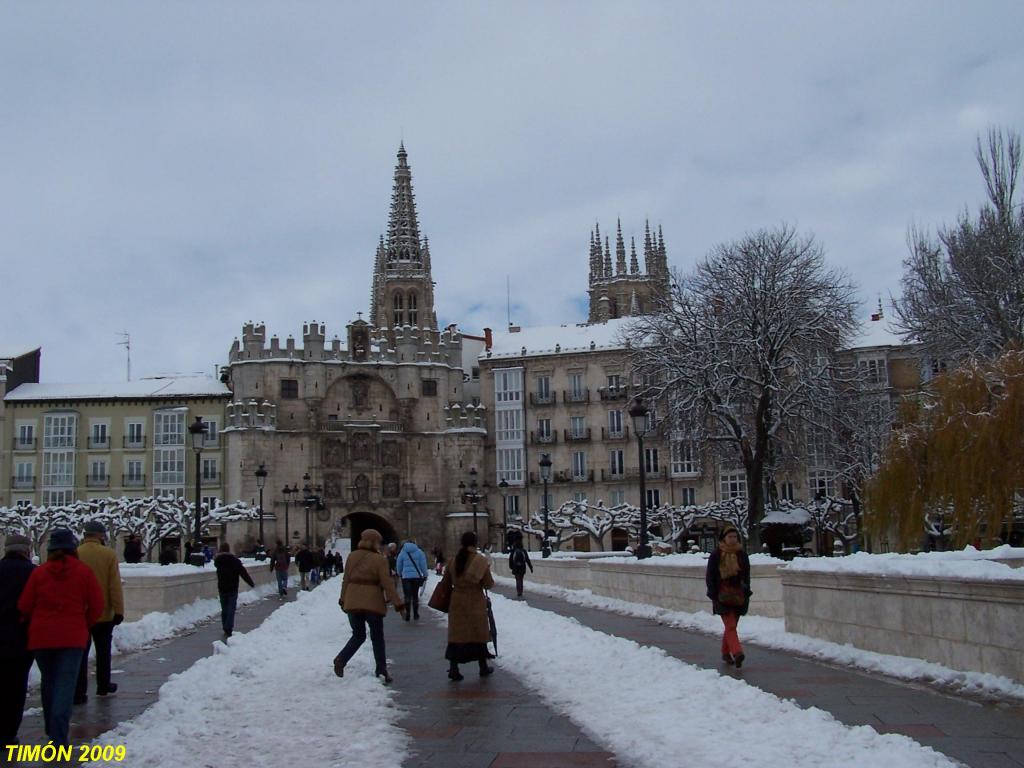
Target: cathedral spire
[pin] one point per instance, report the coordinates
(403, 243)
(647, 246)
(620, 250)
(607, 258)
(634, 265)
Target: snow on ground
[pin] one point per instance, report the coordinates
(968, 563)
(644, 705)
(772, 633)
(269, 698)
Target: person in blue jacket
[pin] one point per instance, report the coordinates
(412, 569)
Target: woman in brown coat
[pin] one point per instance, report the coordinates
(468, 629)
(363, 587)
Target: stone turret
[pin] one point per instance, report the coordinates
(314, 335)
(632, 288)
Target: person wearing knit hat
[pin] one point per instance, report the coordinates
(61, 601)
(728, 582)
(15, 658)
(103, 562)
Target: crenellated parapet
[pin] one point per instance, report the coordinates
(250, 414)
(458, 416)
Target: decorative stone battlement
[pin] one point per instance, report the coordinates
(250, 414)
(464, 416)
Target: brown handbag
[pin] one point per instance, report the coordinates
(441, 599)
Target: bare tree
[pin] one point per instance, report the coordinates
(963, 291)
(738, 351)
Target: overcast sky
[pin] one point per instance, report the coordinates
(175, 169)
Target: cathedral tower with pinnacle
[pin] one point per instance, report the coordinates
(625, 290)
(403, 290)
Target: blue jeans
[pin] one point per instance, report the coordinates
(282, 582)
(358, 621)
(59, 669)
(228, 604)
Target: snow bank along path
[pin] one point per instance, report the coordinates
(652, 710)
(268, 698)
(772, 633)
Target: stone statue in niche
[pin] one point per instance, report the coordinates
(334, 453)
(391, 486)
(360, 344)
(361, 489)
(389, 454)
(332, 487)
(360, 394)
(361, 446)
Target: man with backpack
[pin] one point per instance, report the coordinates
(229, 571)
(518, 562)
(411, 565)
(279, 563)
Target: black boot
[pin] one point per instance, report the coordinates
(453, 672)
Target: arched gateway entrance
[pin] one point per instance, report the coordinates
(360, 521)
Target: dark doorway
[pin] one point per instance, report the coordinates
(360, 521)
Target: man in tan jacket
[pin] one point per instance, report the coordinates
(103, 562)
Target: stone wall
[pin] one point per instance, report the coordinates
(145, 594)
(557, 572)
(970, 625)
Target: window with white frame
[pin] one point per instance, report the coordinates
(579, 465)
(24, 474)
(510, 465)
(579, 497)
(24, 503)
(820, 483)
(210, 470)
(59, 430)
(874, 370)
(508, 385)
(210, 502)
(543, 388)
(614, 423)
(653, 498)
(684, 457)
(98, 471)
(57, 497)
(58, 469)
(133, 472)
(817, 446)
(136, 434)
(688, 497)
(26, 436)
(169, 428)
(99, 434)
(577, 385)
(544, 429)
(614, 381)
(786, 491)
(616, 463)
(732, 485)
(616, 497)
(651, 465)
(168, 466)
(509, 425)
(211, 424)
(512, 504)
(173, 492)
(577, 426)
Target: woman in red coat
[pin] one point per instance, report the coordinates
(61, 601)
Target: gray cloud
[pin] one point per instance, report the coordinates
(175, 170)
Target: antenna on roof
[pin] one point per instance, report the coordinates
(126, 342)
(508, 299)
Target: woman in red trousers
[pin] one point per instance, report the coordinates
(728, 581)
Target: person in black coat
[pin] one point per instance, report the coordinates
(728, 582)
(304, 561)
(15, 658)
(133, 550)
(518, 561)
(229, 571)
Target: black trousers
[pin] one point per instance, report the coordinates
(100, 635)
(13, 687)
(358, 621)
(411, 590)
(519, 582)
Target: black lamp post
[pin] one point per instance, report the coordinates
(197, 431)
(638, 412)
(261, 480)
(307, 497)
(503, 490)
(545, 476)
(471, 495)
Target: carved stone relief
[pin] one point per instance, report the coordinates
(361, 489)
(333, 488)
(334, 453)
(391, 486)
(389, 454)
(361, 447)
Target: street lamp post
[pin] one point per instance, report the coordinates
(307, 495)
(287, 498)
(638, 412)
(261, 480)
(503, 490)
(197, 431)
(472, 495)
(545, 476)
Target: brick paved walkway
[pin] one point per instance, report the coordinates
(980, 735)
(140, 674)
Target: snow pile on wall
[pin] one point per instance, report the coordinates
(968, 563)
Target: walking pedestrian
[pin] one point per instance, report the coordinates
(103, 562)
(728, 582)
(61, 601)
(318, 564)
(279, 563)
(133, 549)
(15, 658)
(518, 562)
(362, 599)
(412, 568)
(468, 628)
(438, 560)
(229, 571)
(304, 561)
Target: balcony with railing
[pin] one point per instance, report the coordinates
(539, 399)
(133, 481)
(137, 443)
(543, 438)
(613, 393)
(97, 481)
(210, 479)
(586, 476)
(98, 443)
(343, 425)
(23, 483)
(610, 476)
(575, 395)
(24, 444)
(577, 435)
(617, 434)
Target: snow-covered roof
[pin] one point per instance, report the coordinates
(542, 340)
(158, 387)
(795, 516)
(876, 330)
